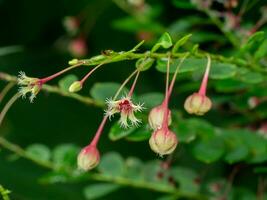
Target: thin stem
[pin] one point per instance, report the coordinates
(90, 72)
(123, 84)
(166, 100)
(6, 90)
(133, 85)
(202, 89)
(175, 74)
(57, 90)
(99, 131)
(100, 177)
(8, 106)
(46, 79)
(167, 79)
(21, 152)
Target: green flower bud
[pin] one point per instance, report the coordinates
(75, 86)
(197, 104)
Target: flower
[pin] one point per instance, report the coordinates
(126, 108)
(88, 158)
(29, 85)
(156, 115)
(197, 104)
(163, 141)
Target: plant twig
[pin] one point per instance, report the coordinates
(123, 181)
(56, 90)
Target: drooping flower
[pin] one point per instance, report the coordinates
(29, 85)
(156, 115)
(198, 103)
(127, 110)
(163, 141)
(88, 158)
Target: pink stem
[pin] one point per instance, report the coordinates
(90, 72)
(46, 79)
(166, 100)
(99, 131)
(203, 87)
(174, 76)
(133, 85)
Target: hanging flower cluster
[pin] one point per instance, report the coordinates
(163, 141)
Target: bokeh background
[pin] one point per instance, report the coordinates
(37, 37)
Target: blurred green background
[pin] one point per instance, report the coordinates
(34, 39)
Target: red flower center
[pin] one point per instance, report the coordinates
(125, 106)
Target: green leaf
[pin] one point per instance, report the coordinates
(229, 85)
(222, 70)
(151, 100)
(144, 64)
(66, 81)
(150, 171)
(189, 65)
(180, 43)
(95, 191)
(209, 151)
(262, 50)
(39, 152)
(65, 155)
(165, 42)
(253, 40)
(103, 91)
(134, 168)
(238, 153)
(112, 164)
(140, 134)
(117, 132)
(251, 77)
(185, 131)
(183, 4)
(186, 179)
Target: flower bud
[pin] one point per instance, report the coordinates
(75, 86)
(156, 115)
(88, 158)
(163, 141)
(197, 104)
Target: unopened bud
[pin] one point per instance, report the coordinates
(197, 104)
(75, 86)
(156, 115)
(163, 141)
(73, 61)
(88, 158)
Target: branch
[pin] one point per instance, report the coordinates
(57, 90)
(100, 177)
